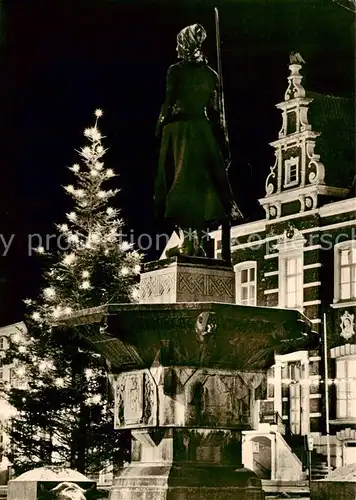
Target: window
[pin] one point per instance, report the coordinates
(13, 375)
(255, 447)
(345, 271)
(294, 282)
(245, 273)
(2, 343)
(291, 286)
(345, 387)
(285, 371)
(270, 391)
(295, 371)
(291, 122)
(295, 408)
(290, 264)
(291, 172)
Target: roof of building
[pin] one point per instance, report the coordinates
(7, 330)
(52, 474)
(345, 473)
(7, 411)
(334, 118)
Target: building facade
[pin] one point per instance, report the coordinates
(302, 255)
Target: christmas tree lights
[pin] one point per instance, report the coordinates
(64, 407)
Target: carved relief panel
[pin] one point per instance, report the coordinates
(135, 400)
(214, 399)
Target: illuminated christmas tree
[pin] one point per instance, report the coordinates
(64, 406)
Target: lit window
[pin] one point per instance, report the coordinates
(13, 374)
(345, 387)
(293, 281)
(295, 408)
(255, 447)
(270, 391)
(285, 371)
(245, 273)
(291, 172)
(295, 370)
(291, 286)
(290, 268)
(345, 271)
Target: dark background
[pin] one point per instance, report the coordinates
(60, 60)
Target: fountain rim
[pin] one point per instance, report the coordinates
(99, 313)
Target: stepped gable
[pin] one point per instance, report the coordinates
(314, 151)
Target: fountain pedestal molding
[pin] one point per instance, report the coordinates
(186, 377)
(187, 279)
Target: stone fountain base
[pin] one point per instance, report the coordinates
(186, 464)
(155, 483)
(187, 367)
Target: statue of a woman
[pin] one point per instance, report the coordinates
(192, 189)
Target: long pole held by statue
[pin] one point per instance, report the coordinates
(221, 85)
(225, 227)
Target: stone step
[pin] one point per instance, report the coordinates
(272, 486)
(275, 497)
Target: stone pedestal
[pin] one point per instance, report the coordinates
(186, 464)
(187, 279)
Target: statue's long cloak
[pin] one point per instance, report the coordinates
(191, 186)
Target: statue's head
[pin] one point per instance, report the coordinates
(189, 42)
(205, 325)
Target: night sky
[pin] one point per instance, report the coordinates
(60, 60)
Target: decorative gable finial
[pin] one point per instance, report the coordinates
(295, 88)
(295, 58)
(290, 231)
(291, 239)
